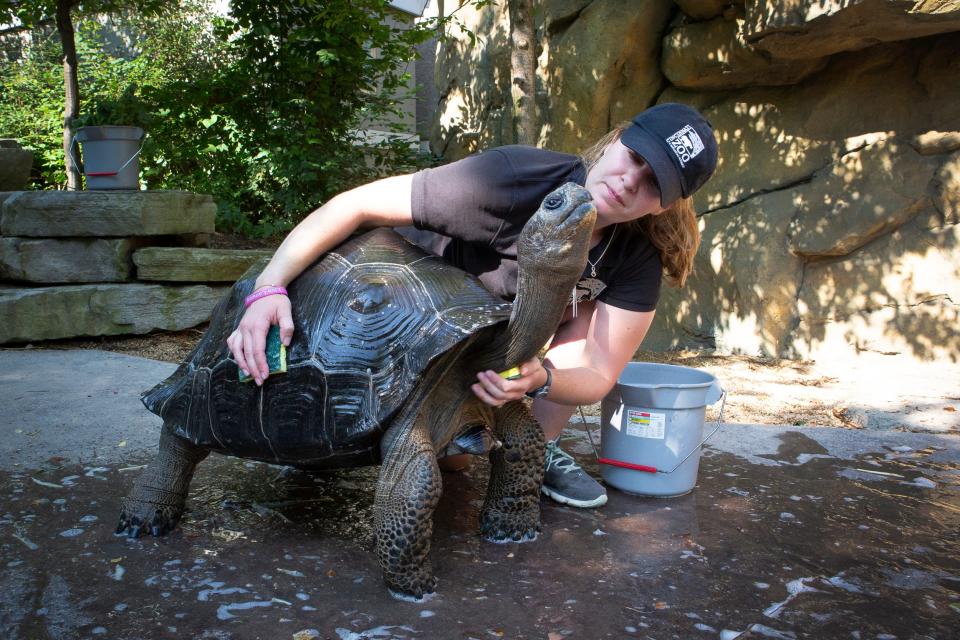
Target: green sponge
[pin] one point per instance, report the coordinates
(276, 354)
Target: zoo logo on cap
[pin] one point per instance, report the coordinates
(686, 144)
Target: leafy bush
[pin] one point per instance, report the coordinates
(260, 108)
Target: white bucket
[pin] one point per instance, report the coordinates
(110, 156)
(652, 428)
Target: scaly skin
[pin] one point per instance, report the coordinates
(156, 501)
(551, 253)
(511, 510)
(407, 493)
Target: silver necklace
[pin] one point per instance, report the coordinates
(593, 265)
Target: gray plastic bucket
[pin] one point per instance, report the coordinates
(652, 428)
(110, 156)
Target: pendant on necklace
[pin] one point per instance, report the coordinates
(593, 271)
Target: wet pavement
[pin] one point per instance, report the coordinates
(790, 533)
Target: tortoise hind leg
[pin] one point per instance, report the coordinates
(511, 510)
(407, 493)
(156, 501)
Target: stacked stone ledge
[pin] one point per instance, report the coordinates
(94, 263)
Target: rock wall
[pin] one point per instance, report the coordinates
(87, 263)
(831, 225)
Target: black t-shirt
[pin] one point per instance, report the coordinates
(479, 205)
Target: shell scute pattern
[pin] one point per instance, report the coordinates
(368, 320)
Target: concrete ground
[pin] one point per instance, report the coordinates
(790, 533)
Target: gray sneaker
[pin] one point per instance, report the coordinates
(567, 483)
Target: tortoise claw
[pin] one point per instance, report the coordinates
(502, 537)
(499, 527)
(134, 526)
(417, 593)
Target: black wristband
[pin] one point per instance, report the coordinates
(542, 391)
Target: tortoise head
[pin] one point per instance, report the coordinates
(558, 234)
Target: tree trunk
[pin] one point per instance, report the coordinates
(523, 71)
(70, 86)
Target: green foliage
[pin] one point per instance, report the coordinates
(261, 108)
(31, 108)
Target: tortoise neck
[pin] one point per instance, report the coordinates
(542, 298)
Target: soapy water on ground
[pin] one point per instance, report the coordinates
(269, 552)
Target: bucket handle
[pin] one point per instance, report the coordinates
(647, 469)
(100, 174)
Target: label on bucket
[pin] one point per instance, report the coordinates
(646, 424)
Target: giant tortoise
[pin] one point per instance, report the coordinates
(387, 341)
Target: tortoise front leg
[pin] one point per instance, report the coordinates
(407, 493)
(511, 510)
(156, 501)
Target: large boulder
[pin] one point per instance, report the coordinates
(767, 273)
(15, 165)
(742, 298)
(771, 138)
(815, 28)
(714, 56)
(185, 264)
(590, 86)
(101, 310)
(106, 213)
(864, 195)
(473, 80)
(50, 260)
(897, 296)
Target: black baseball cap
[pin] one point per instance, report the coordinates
(678, 144)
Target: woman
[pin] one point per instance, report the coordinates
(641, 177)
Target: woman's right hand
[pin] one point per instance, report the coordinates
(248, 343)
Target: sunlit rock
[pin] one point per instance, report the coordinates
(794, 29)
(742, 298)
(589, 85)
(896, 296)
(862, 196)
(473, 80)
(713, 55)
(837, 126)
(946, 190)
(934, 143)
(771, 138)
(584, 85)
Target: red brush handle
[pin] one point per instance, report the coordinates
(627, 465)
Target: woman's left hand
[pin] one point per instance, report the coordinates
(495, 390)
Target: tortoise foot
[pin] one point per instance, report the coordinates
(419, 588)
(156, 501)
(138, 518)
(499, 527)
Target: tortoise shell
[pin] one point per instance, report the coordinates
(369, 317)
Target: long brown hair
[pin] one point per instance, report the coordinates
(675, 232)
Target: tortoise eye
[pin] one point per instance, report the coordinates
(553, 201)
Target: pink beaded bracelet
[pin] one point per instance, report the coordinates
(263, 293)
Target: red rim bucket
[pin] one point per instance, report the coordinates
(110, 156)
